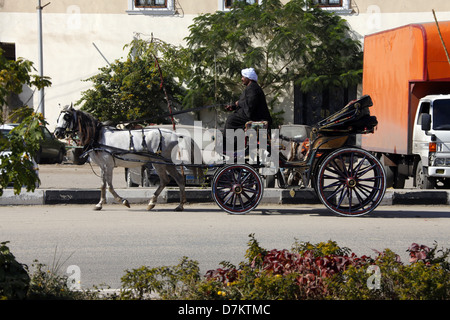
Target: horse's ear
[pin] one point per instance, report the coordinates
(68, 108)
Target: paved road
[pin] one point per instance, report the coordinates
(104, 244)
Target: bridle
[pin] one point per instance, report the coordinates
(70, 118)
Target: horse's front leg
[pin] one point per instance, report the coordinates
(107, 175)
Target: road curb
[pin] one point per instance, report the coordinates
(142, 195)
(24, 198)
(421, 197)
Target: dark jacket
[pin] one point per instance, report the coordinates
(252, 104)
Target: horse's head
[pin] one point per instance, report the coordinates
(66, 122)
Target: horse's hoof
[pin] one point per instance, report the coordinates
(179, 209)
(150, 207)
(97, 208)
(126, 203)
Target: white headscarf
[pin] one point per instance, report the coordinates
(250, 73)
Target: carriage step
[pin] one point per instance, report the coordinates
(295, 164)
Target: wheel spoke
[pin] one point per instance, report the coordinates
(342, 197)
(228, 197)
(338, 170)
(335, 192)
(335, 184)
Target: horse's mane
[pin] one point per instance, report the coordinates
(88, 127)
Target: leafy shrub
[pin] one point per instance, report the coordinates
(18, 283)
(48, 284)
(308, 271)
(282, 274)
(427, 277)
(163, 282)
(14, 279)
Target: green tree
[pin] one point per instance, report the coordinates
(293, 43)
(16, 165)
(296, 43)
(140, 87)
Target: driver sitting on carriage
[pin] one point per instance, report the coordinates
(251, 110)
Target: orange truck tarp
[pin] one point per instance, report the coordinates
(401, 66)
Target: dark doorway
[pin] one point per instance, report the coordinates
(311, 107)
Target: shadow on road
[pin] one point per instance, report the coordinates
(278, 210)
(375, 214)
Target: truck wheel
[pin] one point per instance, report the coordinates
(422, 181)
(399, 181)
(389, 176)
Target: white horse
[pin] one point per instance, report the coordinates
(110, 147)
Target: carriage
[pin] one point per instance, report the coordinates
(348, 180)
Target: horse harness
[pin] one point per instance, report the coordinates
(119, 153)
(94, 145)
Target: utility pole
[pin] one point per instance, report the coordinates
(41, 103)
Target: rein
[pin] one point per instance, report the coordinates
(170, 114)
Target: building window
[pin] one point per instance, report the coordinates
(151, 7)
(150, 3)
(338, 6)
(227, 4)
(9, 50)
(329, 3)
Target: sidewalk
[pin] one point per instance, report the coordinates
(71, 184)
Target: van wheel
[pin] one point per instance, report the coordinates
(130, 183)
(77, 159)
(60, 157)
(37, 156)
(422, 181)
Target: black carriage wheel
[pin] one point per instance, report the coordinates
(351, 182)
(237, 189)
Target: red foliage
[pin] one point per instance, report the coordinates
(311, 270)
(418, 252)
